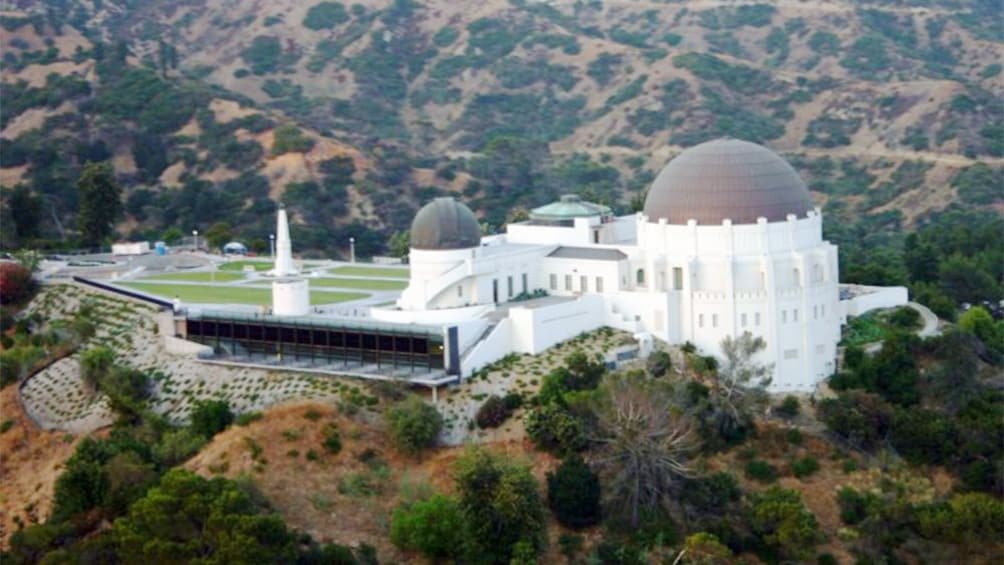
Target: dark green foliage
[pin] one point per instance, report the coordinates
(789, 407)
(979, 184)
(706, 499)
(602, 68)
(552, 427)
(210, 417)
(445, 36)
(500, 504)
(760, 470)
(804, 466)
(739, 78)
(862, 419)
(783, 522)
(265, 55)
(573, 493)
(100, 202)
(867, 57)
(855, 506)
(828, 131)
(967, 518)
(658, 363)
(752, 15)
(289, 139)
(627, 92)
(433, 526)
(325, 15)
(413, 425)
(892, 372)
(332, 440)
(492, 413)
(16, 284)
(187, 517)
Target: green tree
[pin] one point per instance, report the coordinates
(703, 548)
(95, 364)
(189, 519)
(978, 322)
(552, 427)
(658, 363)
(501, 506)
(28, 212)
(210, 417)
(219, 234)
(400, 244)
(573, 493)
(413, 425)
(100, 202)
(325, 15)
(172, 235)
(783, 522)
(433, 526)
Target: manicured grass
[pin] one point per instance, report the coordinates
(198, 276)
(392, 272)
(363, 284)
(239, 265)
(216, 294)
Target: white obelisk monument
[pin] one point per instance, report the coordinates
(290, 292)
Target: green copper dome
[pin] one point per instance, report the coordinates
(569, 207)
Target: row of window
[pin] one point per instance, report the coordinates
(818, 311)
(583, 283)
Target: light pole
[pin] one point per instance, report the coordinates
(195, 234)
(352, 250)
(271, 246)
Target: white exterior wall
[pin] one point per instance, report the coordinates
(133, 248)
(291, 297)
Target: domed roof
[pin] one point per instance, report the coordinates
(727, 179)
(570, 206)
(445, 223)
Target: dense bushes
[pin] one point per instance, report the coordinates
(413, 425)
(16, 284)
(210, 417)
(325, 15)
(573, 493)
(492, 413)
(433, 526)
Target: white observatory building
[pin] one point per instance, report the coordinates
(290, 291)
(728, 242)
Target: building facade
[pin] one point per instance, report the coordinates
(728, 242)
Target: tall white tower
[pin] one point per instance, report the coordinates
(290, 292)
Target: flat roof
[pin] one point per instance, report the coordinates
(318, 321)
(588, 253)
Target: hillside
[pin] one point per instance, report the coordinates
(509, 104)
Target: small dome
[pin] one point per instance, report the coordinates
(570, 206)
(445, 223)
(727, 179)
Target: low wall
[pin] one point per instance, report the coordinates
(878, 297)
(535, 329)
(178, 346)
(496, 345)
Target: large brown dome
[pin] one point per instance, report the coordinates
(727, 179)
(445, 223)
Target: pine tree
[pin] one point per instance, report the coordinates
(100, 202)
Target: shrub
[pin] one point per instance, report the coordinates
(789, 407)
(760, 470)
(332, 440)
(804, 467)
(658, 363)
(247, 417)
(16, 284)
(492, 413)
(325, 15)
(413, 425)
(433, 526)
(553, 428)
(778, 516)
(210, 417)
(855, 506)
(573, 493)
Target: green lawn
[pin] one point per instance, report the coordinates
(217, 294)
(392, 272)
(362, 284)
(198, 276)
(239, 265)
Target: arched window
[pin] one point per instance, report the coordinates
(640, 276)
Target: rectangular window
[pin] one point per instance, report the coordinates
(815, 312)
(794, 315)
(791, 354)
(756, 319)
(714, 320)
(742, 320)
(784, 316)
(599, 284)
(583, 283)
(524, 283)
(820, 349)
(554, 281)
(700, 320)
(822, 311)
(677, 278)
(460, 291)
(568, 282)
(508, 286)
